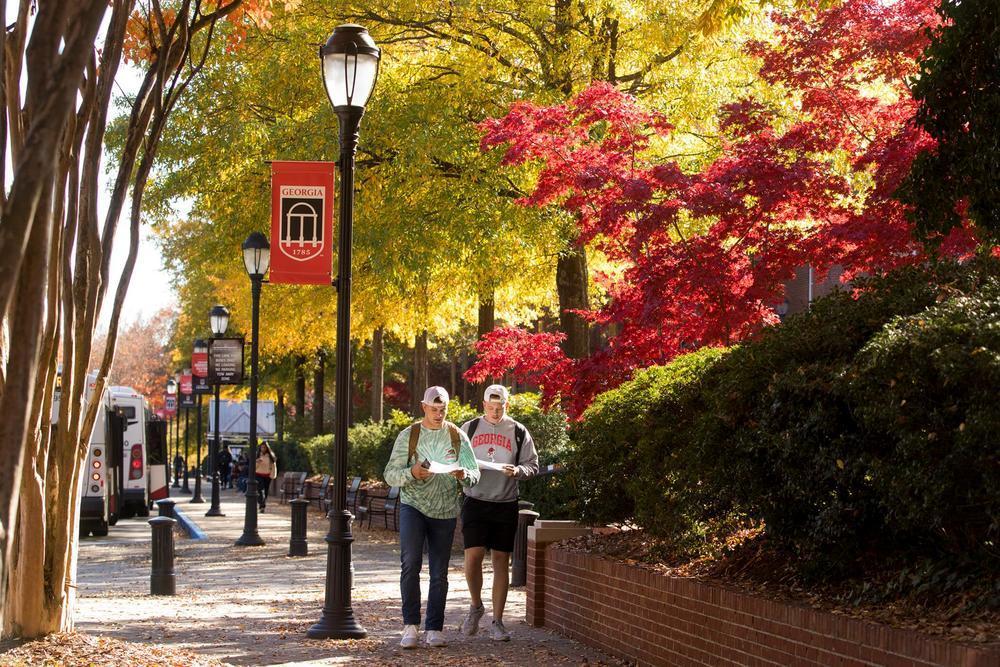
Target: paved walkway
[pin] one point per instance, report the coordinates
(252, 606)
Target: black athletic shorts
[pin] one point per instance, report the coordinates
(487, 524)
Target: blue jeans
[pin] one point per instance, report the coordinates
(416, 529)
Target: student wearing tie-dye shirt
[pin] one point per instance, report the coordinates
(429, 508)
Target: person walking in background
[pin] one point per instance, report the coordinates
(226, 467)
(428, 510)
(242, 468)
(178, 466)
(266, 470)
(489, 509)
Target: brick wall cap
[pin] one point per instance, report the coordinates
(542, 534)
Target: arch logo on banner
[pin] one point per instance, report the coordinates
(301, 222)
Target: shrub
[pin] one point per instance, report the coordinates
(926, 389)
(609, 466)
(779, 441)
(864, 426)
(291, 456)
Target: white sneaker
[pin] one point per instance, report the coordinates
(470, 625)
(435, 639)
(498, 633)
(411, 637)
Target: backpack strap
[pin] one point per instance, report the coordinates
(520, 433)
(414, 437)
(473, 425)
(456, 439)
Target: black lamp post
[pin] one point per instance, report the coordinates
(200, 347)
(350, 68)
(256, 259)
(171, 391)
(187, 487)
(219, 318)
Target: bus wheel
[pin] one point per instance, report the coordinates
(112, 518)
(100, 529)
(84, 529)
(142, 511)
(127, 511)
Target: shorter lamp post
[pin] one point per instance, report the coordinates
(171, 391)
(256, 260)
(187, 438)
(219, 318)
(200, 347)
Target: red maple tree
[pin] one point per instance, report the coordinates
(705, 255)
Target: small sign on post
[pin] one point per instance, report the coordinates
(225, 361)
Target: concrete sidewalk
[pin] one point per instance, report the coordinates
(252, 606)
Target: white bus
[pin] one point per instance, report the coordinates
(100, 485)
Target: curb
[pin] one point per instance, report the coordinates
(189, 526)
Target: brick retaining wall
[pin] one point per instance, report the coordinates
(655, 619)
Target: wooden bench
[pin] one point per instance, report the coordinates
(291, 485)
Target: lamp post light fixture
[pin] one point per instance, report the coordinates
(350, 61)
(256, 260)
(200, 347)
(219, 319)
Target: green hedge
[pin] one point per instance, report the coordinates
(927, 389)
(619, 454)
(819, 429)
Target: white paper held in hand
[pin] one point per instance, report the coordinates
(443, 468)
(490, 465)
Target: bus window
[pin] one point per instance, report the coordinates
(127, 411)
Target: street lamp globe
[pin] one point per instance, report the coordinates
(350, 66)
(219, 317)
(256, 255)
(171, 386)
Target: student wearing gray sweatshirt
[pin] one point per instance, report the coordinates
(489, 509)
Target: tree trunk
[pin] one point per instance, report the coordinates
(319, 395)
(377, 374)
(463, 360)
(486, 324)
(572, 285)
(280, 416)
(453, 388)
(300, 388)
(419, 368)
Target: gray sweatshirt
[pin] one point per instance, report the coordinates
(496, 442)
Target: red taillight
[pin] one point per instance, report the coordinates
(135, 468)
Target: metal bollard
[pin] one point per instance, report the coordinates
(298, 546)
(519, 564)
(166, 507)
(161, 578)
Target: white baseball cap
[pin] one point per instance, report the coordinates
(435, 395)
(495, 390)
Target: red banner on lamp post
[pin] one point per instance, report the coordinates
(186, 382)
(301, 222)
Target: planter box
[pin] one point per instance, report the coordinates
(655, 619)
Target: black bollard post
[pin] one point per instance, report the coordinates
(298, 546)
(166, 507)
(519, 564)
(161, 577)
